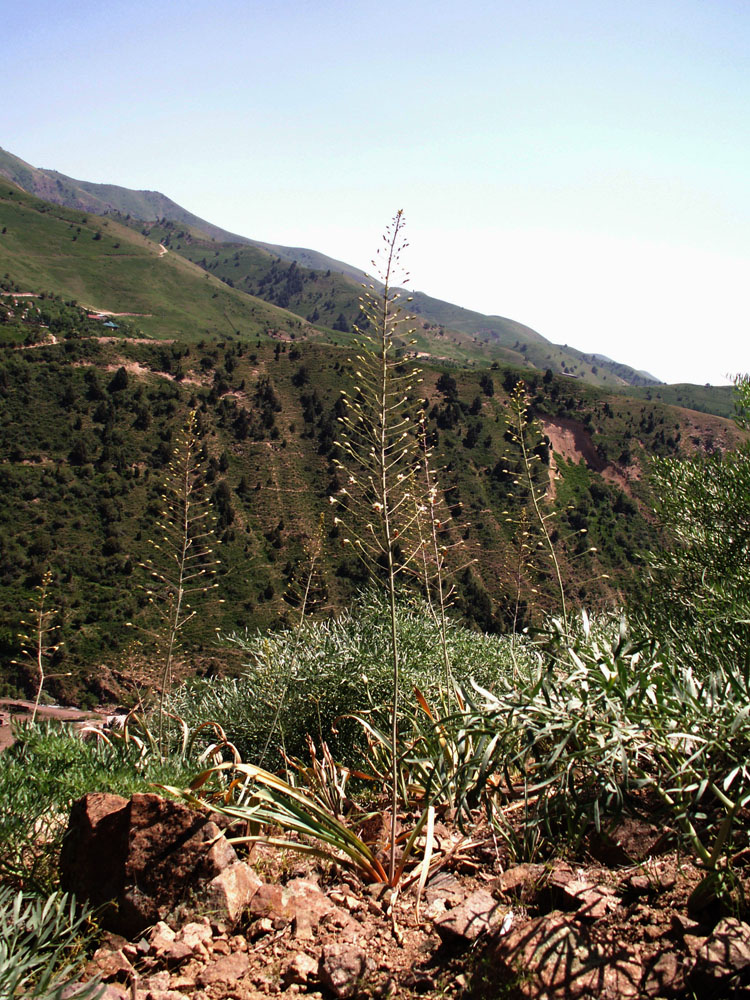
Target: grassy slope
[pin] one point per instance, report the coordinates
(105, 265)
(147, 206)
(706, 399)
(445, 330)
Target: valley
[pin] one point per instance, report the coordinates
(445, 628)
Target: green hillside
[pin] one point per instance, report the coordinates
(704, 398)
(148, 206)
(107, 266)
(90, 423)
(446, 331)
(331, 299)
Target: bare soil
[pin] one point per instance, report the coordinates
(17, 709)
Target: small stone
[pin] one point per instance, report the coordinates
(260, 927)
(341, 969)
(110, 992)
(159, 981)
(109, 964)
(226, 969)
(160, 938)
(640, 884)
(183, 982)
(592, 900)
(221, 948)
(682, 924)
(197, 937)
(238, 943)
(476, 914)
(520, 880)
(114, 992)
(725, 954)
(231, 890)
(177, 952)
(199, 930)
(300, 969)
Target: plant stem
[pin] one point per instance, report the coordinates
(519, 409)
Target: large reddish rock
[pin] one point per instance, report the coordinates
(142, 856)
(555, 958)
(92, 860)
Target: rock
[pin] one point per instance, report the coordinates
(161, 937)
(94, 848)
(145, 855)
(682, 924)
(107, 964)
(521, 881)
(177, 952)
(226, 969)
(665, 977)
(159, 981)
(231, 890)
(724, 955)
(110, 992)
(197, 937)
(183, 982)
(171, 849)
(271, 901)
(595, 900)
(590, 899)
(552, 957)
(341, 968)
(640, 884)
(476, 914)
(301, 968)
(311, 907)
(693, 943)
(300, 902)
(443, 885)
(260, 927)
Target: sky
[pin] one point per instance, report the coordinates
(581, 166)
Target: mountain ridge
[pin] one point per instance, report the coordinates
(493, 331)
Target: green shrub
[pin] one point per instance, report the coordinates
(315, 677)
(41, 947)
(41, 776)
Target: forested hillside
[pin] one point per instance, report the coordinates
(90, 423)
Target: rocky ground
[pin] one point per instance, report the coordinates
(192, 920)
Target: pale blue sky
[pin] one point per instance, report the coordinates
(581, 167)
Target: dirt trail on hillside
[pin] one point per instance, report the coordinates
(13, 709)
